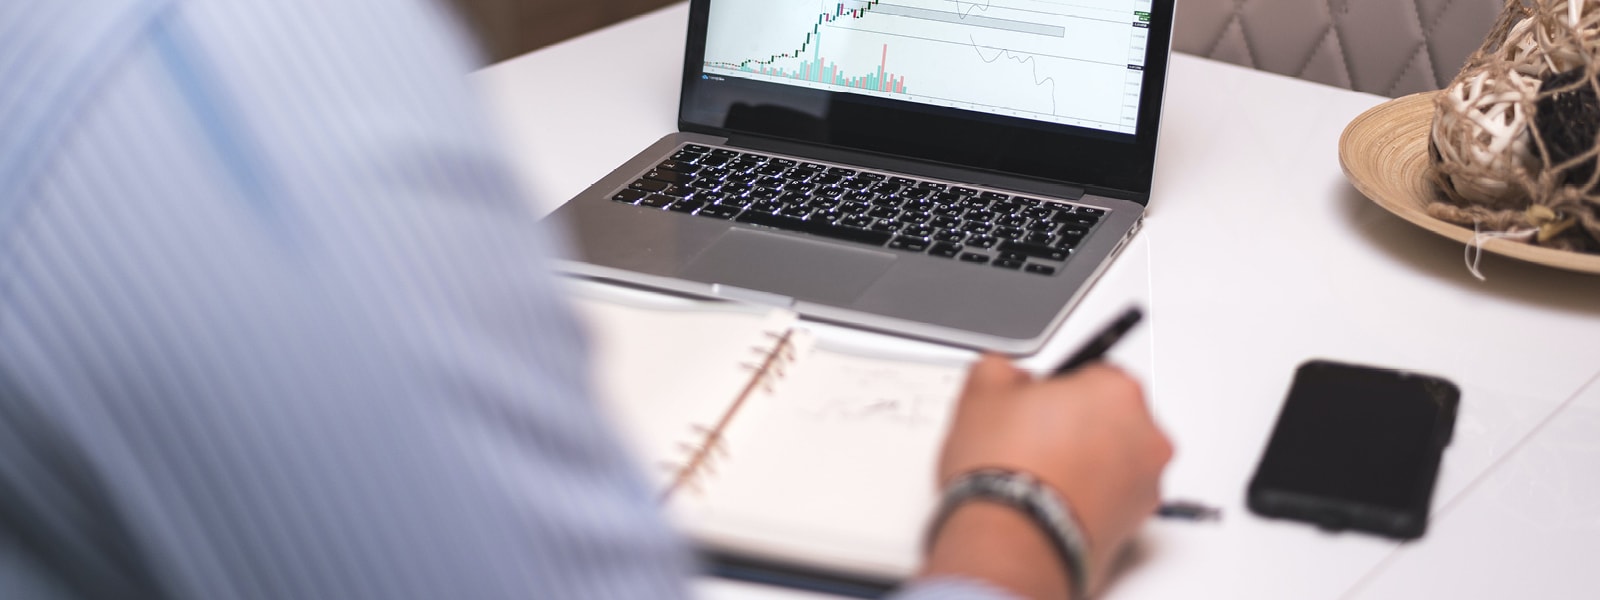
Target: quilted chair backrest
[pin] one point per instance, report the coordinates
(1387, 47)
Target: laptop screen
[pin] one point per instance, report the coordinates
(1064, 90)
(1074, 63)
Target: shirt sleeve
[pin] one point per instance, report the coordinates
(275, 323)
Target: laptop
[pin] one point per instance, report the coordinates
(959, 172)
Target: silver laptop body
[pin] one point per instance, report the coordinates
(777, 191)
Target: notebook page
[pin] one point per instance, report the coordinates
(664, 375)
(837, 470)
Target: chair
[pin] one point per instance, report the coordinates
(1387, 47)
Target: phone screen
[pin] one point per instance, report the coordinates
(1356, 447)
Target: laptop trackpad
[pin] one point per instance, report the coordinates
(803, 269)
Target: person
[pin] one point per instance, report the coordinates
(274, 324)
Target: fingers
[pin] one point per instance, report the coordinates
(993, 373)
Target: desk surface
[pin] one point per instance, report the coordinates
(1256, 256)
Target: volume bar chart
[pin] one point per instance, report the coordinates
(819, 70)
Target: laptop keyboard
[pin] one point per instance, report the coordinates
(980, 227)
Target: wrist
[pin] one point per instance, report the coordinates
(1016, 506)
(997, 544)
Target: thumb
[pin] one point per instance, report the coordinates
(992, 373)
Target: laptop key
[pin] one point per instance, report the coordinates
(719, 212)
(982, 241)
(657, 201)
(725, 152)
(1038, 269)
(686, 206)
(695, 148)
(913, 217)
(1079, 220)
(682, 156)
(669, 176)
(855, 208)
(646, 185)
(974, 257)
(824, 229)
(628, 196)
(1042, 239)
(857, 221)
(680, 167)
(1034, 250)
(949, 235)
(1008, 264)
(945, 249)
(676, 190)
(909, 244)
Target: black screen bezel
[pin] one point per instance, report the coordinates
(1106, 163)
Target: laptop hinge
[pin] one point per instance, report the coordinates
(752, 296)
(913, 167)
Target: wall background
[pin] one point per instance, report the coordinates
(508, 28)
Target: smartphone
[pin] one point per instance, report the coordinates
(1356, 447)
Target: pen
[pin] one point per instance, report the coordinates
(1096, 349)
(1101, 342)
(1188, 510)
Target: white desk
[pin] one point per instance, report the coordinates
(1257, 255)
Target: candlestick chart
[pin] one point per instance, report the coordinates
(1061, 61)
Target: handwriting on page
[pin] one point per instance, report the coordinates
(850, 388)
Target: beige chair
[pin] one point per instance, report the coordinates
(1388, 47)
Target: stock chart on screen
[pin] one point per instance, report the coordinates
(1067, 62)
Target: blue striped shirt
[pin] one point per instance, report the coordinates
(274, 323)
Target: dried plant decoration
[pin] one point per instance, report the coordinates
(1516, 135)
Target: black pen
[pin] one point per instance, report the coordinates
(1102, 342)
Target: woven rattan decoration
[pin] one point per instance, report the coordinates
(1514, 140)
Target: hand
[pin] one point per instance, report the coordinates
(1088, 435)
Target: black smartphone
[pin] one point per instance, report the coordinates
(1356, 447)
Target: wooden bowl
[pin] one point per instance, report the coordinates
(1384, 153)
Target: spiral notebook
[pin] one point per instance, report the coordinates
(767, 450)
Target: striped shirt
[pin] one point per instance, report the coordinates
(274, 322)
